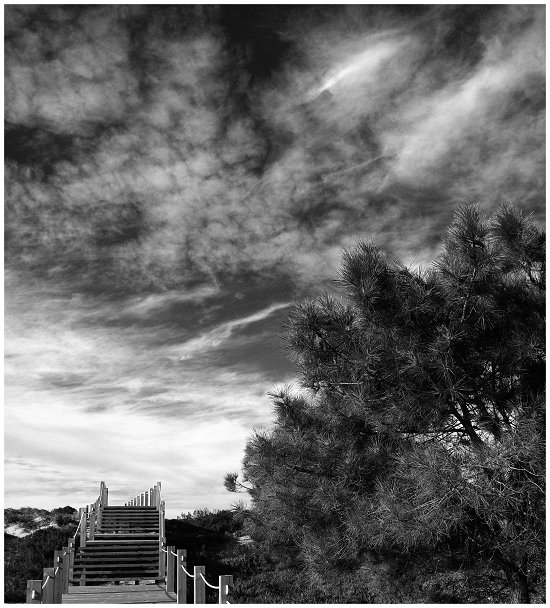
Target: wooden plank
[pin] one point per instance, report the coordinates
(66, 567)
(120, 594)
(226, 589)
(161, 540)
(127, 558)
(47, 585)
(170, 568)
(128, 579)
(199, 588)
(71, 556)
(181, 577)
(58, 576)
(82, 515)
(34, 592)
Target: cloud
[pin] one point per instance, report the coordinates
(214, 337)
(176, 174)
(88, 401)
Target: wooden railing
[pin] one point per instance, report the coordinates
(55, 581)
(177, 574)
(150, 498)
(172, 564)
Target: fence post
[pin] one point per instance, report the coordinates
(82, 513)
(162, 540)
(58, 576)
(92, 523)
(170, 569)
(34, 592)
(47, 590)
(71, 558)
(226, 589)
(199, 590)
(181, 577)
(99, 515)
(66, 562)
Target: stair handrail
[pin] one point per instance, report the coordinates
(149, 498)
(82, 513)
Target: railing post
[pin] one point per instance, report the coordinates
(71, 558)
(226, 589)
(34, 592)
(146, 496)
(66, 566)
(199, 588)
(92, 524)
(170, 569)
(162, 540)
(82, 513)
(181, 577)
(47, 586)
(103, 494)
(58, 576)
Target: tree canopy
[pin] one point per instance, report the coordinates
(417, 434)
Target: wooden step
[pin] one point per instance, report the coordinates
(113, 509)
(76, 581)
(128, 525)
(152, 517)
(152, 513)
(92, 543)
(129, 520)
(115, 560)
(120, 549)
(115, 567)
(103, 536)
(118, 554)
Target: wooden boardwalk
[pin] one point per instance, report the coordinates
(114, 545)
(119, 594)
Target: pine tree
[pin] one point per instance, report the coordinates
(419, 426)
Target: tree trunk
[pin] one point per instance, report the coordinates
(519, 588)
(517, 583)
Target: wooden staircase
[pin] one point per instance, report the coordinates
(122, 544)
(125, 547)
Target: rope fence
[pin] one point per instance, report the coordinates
(208, 584)
(188, 574)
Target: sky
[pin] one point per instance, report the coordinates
(177, 175)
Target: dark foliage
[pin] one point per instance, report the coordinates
(413, 457)
(25, 558)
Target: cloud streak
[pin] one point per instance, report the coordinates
(177, 174)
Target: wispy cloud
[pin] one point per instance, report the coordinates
(85, 401)
(170, 187)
